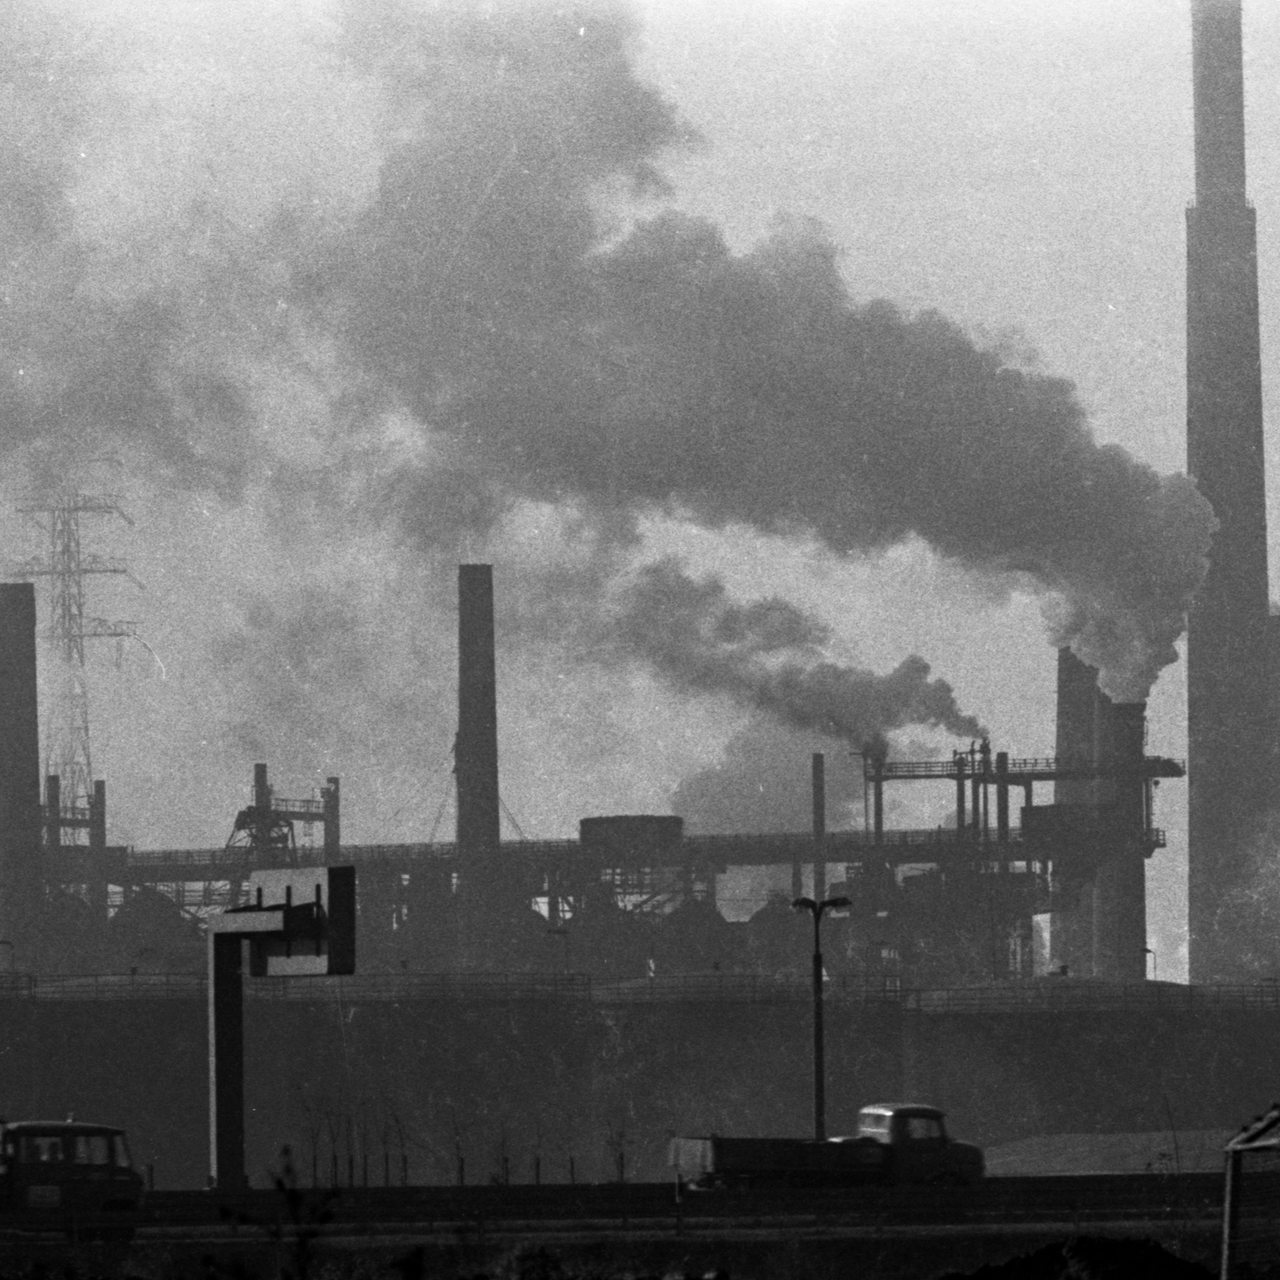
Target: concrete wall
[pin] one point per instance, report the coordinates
(560, 1079)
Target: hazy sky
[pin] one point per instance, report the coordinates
(305, 271)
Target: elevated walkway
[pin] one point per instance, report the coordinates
(942, 845)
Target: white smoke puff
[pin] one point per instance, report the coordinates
(1125, 617)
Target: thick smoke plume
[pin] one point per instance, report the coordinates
(764, 655)
(660, 370)
(402, 266)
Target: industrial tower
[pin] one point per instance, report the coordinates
(67, 752)
(1230, 724)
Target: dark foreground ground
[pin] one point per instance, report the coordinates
(919, 1256)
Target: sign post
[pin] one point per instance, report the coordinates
(301, 921)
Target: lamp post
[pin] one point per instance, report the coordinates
(817, 910)
(559, 931)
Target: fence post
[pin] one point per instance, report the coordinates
(1230, 1214)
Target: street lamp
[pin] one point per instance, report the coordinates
(817, 910)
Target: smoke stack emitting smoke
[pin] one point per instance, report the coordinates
(388, 271)
(765, 656)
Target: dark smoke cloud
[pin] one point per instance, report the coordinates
(661, 370)
(766, 655)
(385, 257)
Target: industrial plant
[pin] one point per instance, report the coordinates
(634, 897)
(1050, 848)
(1032, 878)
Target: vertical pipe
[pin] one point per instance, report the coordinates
(975, 788)
(1230, 1214)
(332, 797)
(877, 799)
(960, 816)
(819, 827)
(1002, 797)
(53, 812)
(98, 850)
(98, 818)
(261, 790)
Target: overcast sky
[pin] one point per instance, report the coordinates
(215, 217)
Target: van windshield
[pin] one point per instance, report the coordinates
(96, 1149)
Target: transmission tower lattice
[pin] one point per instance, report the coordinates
(67, 566)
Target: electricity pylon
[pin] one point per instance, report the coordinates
(67, 566)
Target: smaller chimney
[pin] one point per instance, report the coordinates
(1071, 929)
(1120, 896)
(476, 749)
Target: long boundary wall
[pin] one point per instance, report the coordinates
(518, 1088)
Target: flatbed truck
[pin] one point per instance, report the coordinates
(895, 1142)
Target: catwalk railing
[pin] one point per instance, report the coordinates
(1051, 994)
(932, 844)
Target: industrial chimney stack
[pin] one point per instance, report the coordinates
(20, 814)
(1230, 724)
(1099, 928)
(476, 751)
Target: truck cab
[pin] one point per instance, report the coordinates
(917, 1144)
(64, 1174)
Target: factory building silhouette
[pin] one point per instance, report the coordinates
(637, 897)
(634, 897)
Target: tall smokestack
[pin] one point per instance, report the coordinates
(1230, 726)
(476, 751)
(20, 817)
